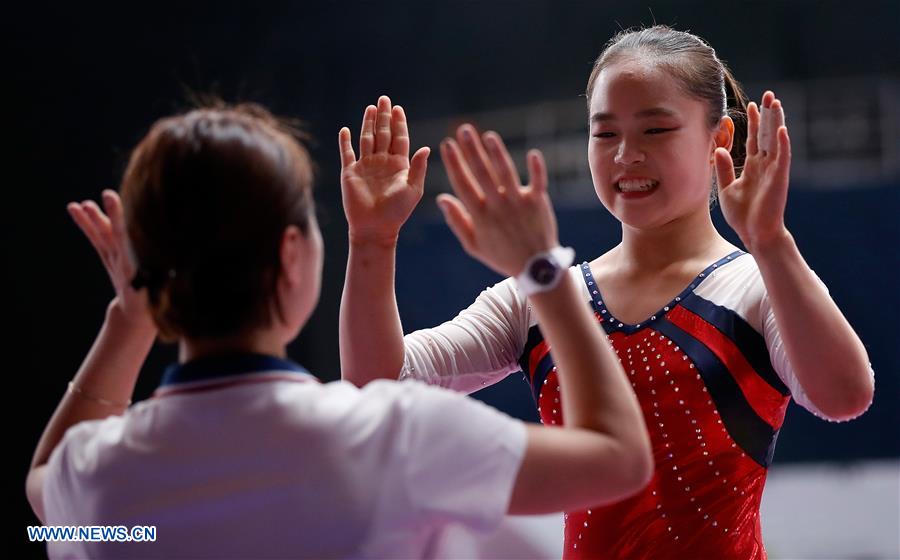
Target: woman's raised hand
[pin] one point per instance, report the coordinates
(497, 220)
(382, 187)
(754, 203)
(106, 232)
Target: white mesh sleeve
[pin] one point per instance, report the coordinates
(479, 347)
(779, 357)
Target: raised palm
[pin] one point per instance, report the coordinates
(754, 203)
(106, 232)
(382, 187)
(496, 218)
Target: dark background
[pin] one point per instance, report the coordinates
(88, 81)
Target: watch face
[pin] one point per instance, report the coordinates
(543, 271)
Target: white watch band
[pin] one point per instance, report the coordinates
(543, 271)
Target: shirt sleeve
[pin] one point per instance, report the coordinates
(454, 460)
(779, 357)
(73, 466)
(479, 347)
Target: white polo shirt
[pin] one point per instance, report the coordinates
(265, 461)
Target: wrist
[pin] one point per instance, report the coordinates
(543, 271)
(775, 243)
(136, 322)
(370, 254)
(386, 240)
(542, 298)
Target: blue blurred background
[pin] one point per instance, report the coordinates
(88, 80)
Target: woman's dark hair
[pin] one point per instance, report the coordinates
(694, 65)
(207, 196)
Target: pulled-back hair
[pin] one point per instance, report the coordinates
(207, 196)
(693, 64)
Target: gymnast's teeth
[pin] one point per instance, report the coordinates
(636, 185)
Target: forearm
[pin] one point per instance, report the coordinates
(107, 375)
(827, 356)
(595, 391)
(371, 335)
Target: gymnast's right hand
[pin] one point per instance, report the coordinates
(382, 187)
(499, 221)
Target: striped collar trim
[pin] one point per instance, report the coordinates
(229, 370)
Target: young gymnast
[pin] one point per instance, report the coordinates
(241, 452)
(715, 341)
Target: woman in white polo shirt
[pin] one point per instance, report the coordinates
(241, 452)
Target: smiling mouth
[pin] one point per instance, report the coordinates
(636, 185)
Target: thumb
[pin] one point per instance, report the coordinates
(724, 168)
(417, 167)
(458, 220)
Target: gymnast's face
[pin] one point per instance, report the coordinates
(651, 147)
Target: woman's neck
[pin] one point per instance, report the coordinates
(690, 237)
(265, 341)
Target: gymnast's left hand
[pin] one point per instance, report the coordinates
(754, 203)
(106, 232)
(382, 187)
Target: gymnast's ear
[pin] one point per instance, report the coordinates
(724, 134)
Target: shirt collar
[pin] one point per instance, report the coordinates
(224, 366)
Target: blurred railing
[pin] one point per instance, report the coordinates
(844, 133)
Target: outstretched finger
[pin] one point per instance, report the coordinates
(460, 176)
(724, 169)
(86, 225)
(478, 161)
(418, 165)
(752, 129)
(399, 132)
(383, 125)
(503, 163)
(101, 223)
(783, 158)
(774, 120)
(459, 221)
(777, 121)
(345, 146)
(113, 205)
(367, 132)
(537, 171)
(766, 132)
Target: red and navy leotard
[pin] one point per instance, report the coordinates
(713, 380)
(713, 404)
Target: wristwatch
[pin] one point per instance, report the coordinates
(544, 270)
